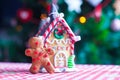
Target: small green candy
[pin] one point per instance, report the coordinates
(71, 61)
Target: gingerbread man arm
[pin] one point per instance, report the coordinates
(49, 51)
(28, 52)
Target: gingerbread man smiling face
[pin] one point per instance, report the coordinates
(39, 55)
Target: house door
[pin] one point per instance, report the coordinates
(60, 59)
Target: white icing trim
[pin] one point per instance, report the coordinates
(55, 58)
(77, 38)
(66, 48)
(67, 41)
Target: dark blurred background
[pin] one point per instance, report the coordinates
(96, 21)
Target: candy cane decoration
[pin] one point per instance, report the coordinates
(69, 31)
(72, 48)
(72, 36)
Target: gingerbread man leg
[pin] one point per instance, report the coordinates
(35, 68)
(49, 67)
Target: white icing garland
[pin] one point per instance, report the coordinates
(67, 41)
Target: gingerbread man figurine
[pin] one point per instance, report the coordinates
(40, 55)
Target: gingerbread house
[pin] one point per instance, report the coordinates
(61, 39)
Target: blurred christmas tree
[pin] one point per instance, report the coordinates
(96, 21)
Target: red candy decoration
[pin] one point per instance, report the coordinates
(48, 64)
(38, 58)
(36, 43)
(28, 51)
(36, 52)
(34, 68)
(49, 50)
(33, 60)
(45, 56)
(40, 54)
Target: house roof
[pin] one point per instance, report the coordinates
(65, 25)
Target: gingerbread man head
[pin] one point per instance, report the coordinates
(35, 42)
(36, 45)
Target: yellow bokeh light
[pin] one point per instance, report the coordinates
(82, 19)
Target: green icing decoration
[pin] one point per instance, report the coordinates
(58, 36)
(71, 63)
